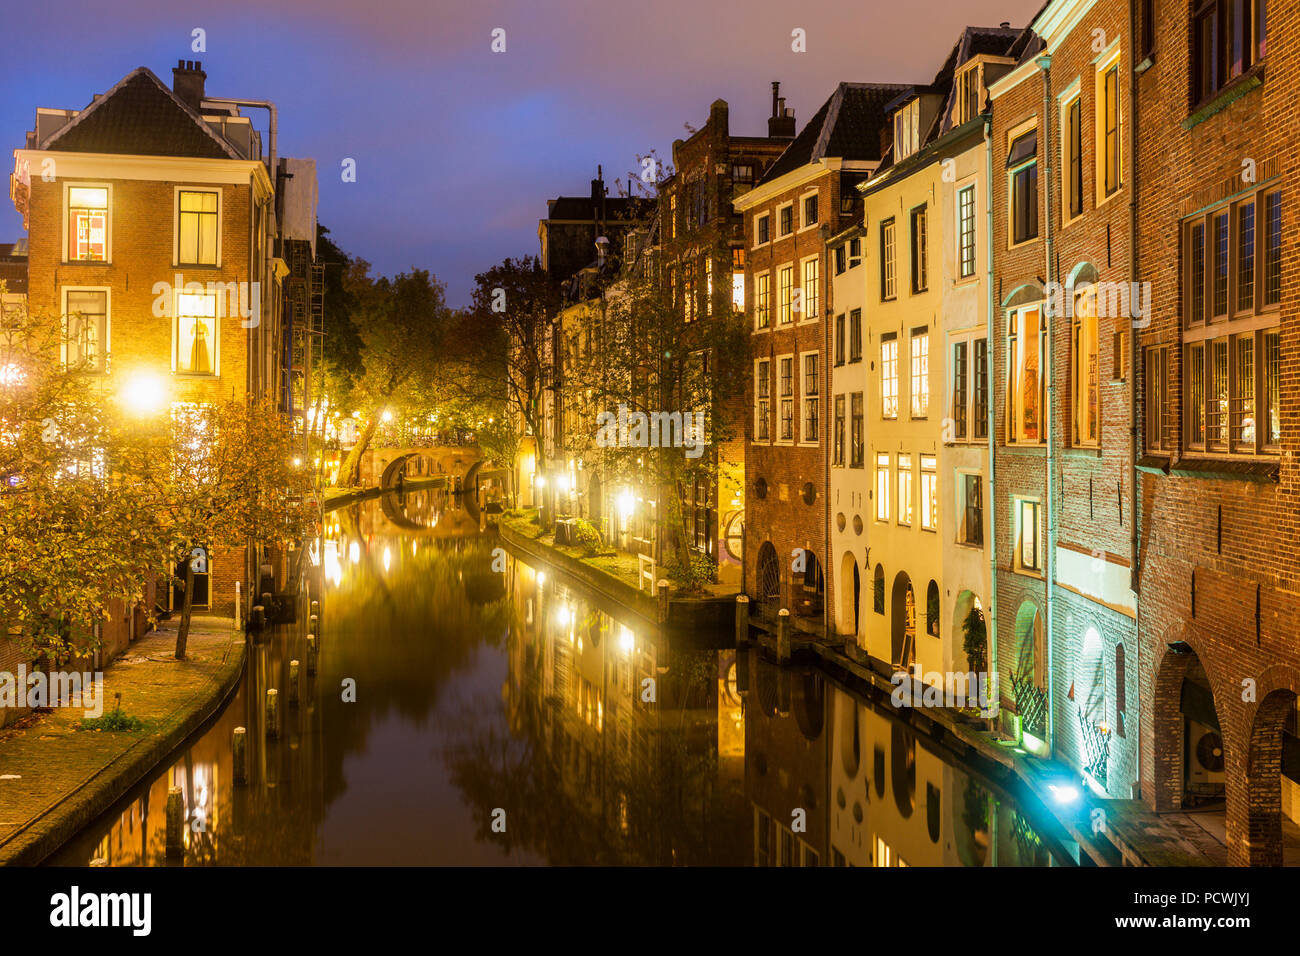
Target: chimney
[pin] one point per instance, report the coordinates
(781, 124)
(187, 82)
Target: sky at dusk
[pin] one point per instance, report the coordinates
(458, 148)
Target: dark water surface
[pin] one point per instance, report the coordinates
(501, 717)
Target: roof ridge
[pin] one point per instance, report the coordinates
(828, 123)
(117, 87)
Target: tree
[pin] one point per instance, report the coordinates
(402, 326)
(513, 305)
(226, 475)
(654, 380)
(74, 529)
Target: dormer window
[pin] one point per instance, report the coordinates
(968, 94)
(907, 130)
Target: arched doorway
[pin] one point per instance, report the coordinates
(1029, 678)
(1190, 751)
(902, 644)
(1271, 767)
(769, 581)
(850, 593)
(810, 590)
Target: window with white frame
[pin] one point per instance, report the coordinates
(1029, 528)
(837, 456)
(971, 488)
(929, 493)
(811, 299)
(1022, 173)
(1154, 380)
(905, 508)
(762, 229)
(196, 330)
(87, 223)
(855, 335)
(882, 486)
(920, 381)
(1108, 149)
(855, 253)
(811, 433)
(889, 375)
(785, 293)
(920, 241)
(785, 220)
(785, 394)
(85, 329)
(762, 399)
(810, 210)
(839, 339)
(857, 450)
(763, 300)
(968, 387)
(888, 284)
(1072, 148)
(966, 232)
(196, 227)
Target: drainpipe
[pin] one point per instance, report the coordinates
(989, 412)
(1049, 417)
(1134, 576)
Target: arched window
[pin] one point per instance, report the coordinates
(932, 609)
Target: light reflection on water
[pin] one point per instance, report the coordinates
(489, 698)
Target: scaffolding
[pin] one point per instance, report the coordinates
(306, 286)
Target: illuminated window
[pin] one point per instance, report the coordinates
(1028, 535)
(1084, 376)
(196, 227)
(920, 384)
(882, 486)
(785, 293)
(1026, 344)
(811, 303)
(88, 223)
(929, 493)
(888, 287)
(763, 300)
(889, 375)
(905, 505)
(196, 333)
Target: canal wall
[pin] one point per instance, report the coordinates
(56, 778)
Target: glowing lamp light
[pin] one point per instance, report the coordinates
(388, 558)
(626, 503)
(541, 481)
(297, 463)
(541, 578)
(1065, 793)
(11, 375)
(354, 552)
(144, 394)
(387, 416)
(561, 484)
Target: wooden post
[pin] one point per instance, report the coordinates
(742, 620)
(783, 644)
(175, 822)
(239, 754)
(311, 653)
(257, 619)
(272, 712)
(661, 590)
(293, 683)
(313, 624)
(315, 608)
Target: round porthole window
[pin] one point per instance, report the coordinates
(839, 521)
(809, 493)
(857, 524)
(760, 488)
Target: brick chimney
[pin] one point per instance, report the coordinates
(187, 82)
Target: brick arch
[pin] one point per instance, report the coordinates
(1167, 715)
(1276, 693)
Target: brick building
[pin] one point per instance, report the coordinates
(806, 197)
(1064, 504)
(1219, 665)
(144, 185)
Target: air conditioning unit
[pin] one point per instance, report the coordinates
(1209, 752)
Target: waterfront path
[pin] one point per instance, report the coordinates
(56, 778)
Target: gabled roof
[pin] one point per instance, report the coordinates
(585, 209)
(140, 116)
(847, 126)
(973, 42)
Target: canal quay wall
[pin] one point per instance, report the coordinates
(55, 778)
(711, 613)
(1109, 832)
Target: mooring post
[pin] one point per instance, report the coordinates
(239, 754)
(272, 712)
(783, 648)
(661, 591)
(293, 683)
(311, 653)
(175, 822)
(742, 620)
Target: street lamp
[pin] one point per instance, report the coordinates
(144, 394)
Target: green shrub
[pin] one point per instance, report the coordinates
(114, 720)
(694, 575)
(588, 537)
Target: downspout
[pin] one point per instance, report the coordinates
(1049, 417)
(990, 414)
(1134, 575)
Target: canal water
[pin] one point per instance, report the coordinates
(469, 707)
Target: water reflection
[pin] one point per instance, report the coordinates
(501, 716)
